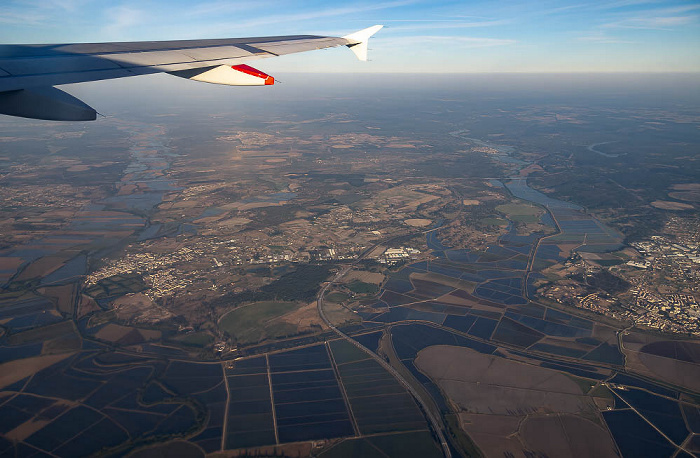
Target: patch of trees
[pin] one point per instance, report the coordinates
(301, 284)
(605, 281)
(275, 215)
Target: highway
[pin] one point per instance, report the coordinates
(435, 422)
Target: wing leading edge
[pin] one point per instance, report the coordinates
(29, 72)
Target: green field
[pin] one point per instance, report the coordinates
(256, 322)
(345, 352)
(337, 297)
(360, 287)
(493, 222)
(520, 212)
(196, 339)
(603, 392)
(584, 384)
(541, 264)
(339, 315)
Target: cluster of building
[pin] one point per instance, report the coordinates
(60, 196)
(157, 270)
(166, 272)
(660, 252)
(675, 264)
(220, 260)
(662, 259)
(393, 256)
(572, 294)
(672, 313)
(665, 281)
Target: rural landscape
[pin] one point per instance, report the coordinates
(452, 272)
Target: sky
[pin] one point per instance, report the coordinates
(420, 36)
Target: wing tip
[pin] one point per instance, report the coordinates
(357, 41)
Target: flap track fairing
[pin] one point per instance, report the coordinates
(46, 103)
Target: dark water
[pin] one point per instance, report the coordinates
(520, 189)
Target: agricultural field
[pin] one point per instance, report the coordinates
(404, 198)
(259, 321)
(117, 285)
(521, 212)
(307, 397)
(471, 310)
(250, 419)
(377, 401)
(364, 276)
(27, 314)
(82, 405)
(496, 395)
(160, 280)
(195, 339)
(340, 315)
(360, 287)
(476, 304)
(418, 444)
(676, 363)
(337, 297)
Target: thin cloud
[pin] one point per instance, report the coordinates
(474, 42)
(656, 18)
(69, 5)
(445, 40)
(599, 37)
(428, 25)
(561, 9)
(120, 19)
(430, 20)
(22, 18)
(653, 23)
(228, 7)
(641, 7)
(36, 12)
(626, 3)
(332, 12)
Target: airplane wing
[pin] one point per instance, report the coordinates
(28, 73)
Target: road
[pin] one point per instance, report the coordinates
(679, 446)
(533, 252)
(435, 422)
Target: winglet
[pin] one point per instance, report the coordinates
(357, 42)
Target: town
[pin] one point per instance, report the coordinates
(663, 278)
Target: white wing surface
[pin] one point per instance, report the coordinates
(29, 72)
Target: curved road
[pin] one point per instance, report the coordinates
(435, 422)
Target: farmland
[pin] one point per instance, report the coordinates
(161, 276)
(520, 212)
(458, 325)
(81, 406)
(257, 321)
(378, 402)
(462, 309)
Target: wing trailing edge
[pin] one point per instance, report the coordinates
(28, 73)
(235, 75)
